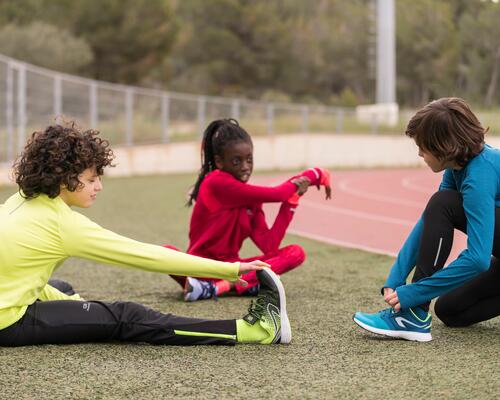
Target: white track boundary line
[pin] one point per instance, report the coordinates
(358, 214)
(342, 185)
(409, 184)
(341, 243)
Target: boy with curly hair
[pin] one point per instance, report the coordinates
(61, 168)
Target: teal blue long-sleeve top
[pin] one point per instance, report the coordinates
(479, 184)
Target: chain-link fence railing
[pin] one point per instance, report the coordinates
(32, 97)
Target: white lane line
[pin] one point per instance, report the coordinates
(342, 185)
(408, 183)
(357, 214)
(342, 243)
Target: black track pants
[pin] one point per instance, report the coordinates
(476, 300)
(66, 321)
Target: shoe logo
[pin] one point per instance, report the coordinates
(274, 312)
(400, 321)
(86, 306)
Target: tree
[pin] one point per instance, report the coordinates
(481, 50)
(128, 37)
(230, 46)
(45, 45)
(427, 50)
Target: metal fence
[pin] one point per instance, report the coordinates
(33, 97)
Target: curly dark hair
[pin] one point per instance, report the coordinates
(448, 129)
(56, 157)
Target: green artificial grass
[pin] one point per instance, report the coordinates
(329, 356)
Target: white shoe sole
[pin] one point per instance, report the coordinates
(415, 336)
(187, 292)
(286, 330)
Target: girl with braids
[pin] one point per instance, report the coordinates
(60, 168)
(228, 210)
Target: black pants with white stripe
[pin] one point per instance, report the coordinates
(476, 300)
(67, 321)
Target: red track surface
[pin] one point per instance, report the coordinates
(372, 210)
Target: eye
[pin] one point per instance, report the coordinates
(236, 161)
(250, 159)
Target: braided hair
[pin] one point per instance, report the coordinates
(217, 136)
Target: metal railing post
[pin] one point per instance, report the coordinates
(165, 118)
(9, 111)
(305, 119)
(21, 107)
(270, 118)
(93, 104)
(202, 111)
(129, 116)
(339, 120)
(235, 109)
(57, 106)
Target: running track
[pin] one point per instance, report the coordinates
(372, 210)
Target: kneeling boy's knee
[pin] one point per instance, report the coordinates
(442, 199)
(444, 311)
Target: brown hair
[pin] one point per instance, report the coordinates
(448, 129)
(57, 156)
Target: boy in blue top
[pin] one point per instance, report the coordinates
(450, 138)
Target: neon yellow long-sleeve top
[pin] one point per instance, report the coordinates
(37, 235)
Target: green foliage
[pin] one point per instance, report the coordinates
(348, 98)
(480, 34)
(319, 52)
(45, 45)
(128, 37)
(427, 50)
(230, 47)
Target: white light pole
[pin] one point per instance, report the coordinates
(386, 52)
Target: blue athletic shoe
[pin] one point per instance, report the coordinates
(412, 324)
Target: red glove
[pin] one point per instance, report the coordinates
(325, 178)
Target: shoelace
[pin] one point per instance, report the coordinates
(258, 307)
(209, 290)
(386, 311)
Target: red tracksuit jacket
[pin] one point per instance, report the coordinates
(227, 211)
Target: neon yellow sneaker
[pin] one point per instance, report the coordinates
(267, 321)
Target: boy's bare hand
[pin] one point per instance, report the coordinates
(248, 267)
(391, 298)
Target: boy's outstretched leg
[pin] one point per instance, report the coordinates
(68, 321)
(267, 319)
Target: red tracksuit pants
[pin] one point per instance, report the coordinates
(281, 261)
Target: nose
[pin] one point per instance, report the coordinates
(98, 186)
(246, 166)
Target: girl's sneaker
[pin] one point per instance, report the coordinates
(196, 289)
(411, 324)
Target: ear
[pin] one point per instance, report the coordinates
(218, 161)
